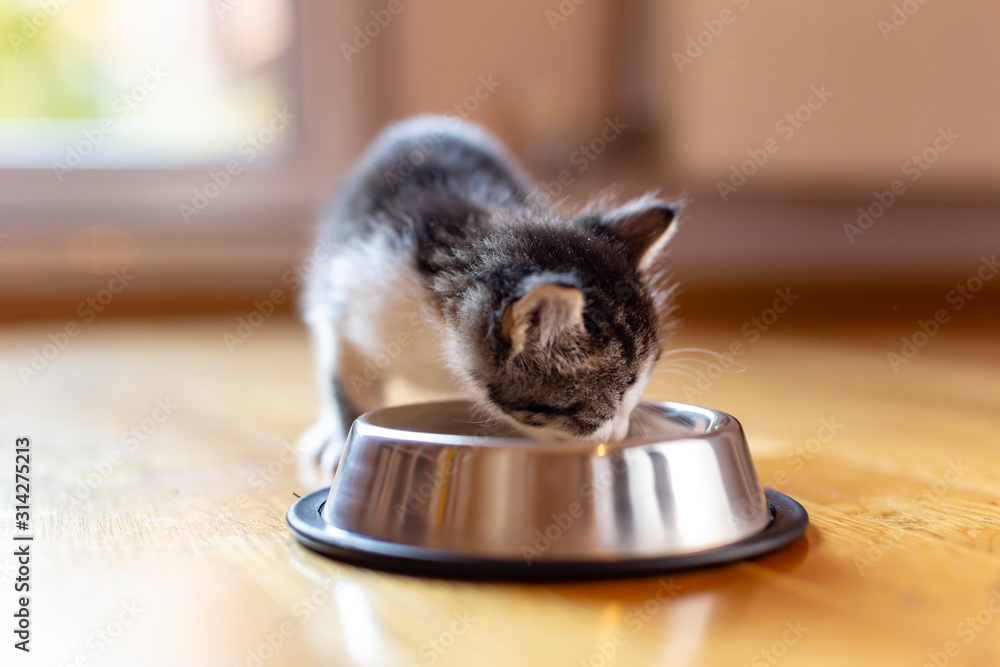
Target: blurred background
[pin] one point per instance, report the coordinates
(839, 148)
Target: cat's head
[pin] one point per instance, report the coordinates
(575, 314)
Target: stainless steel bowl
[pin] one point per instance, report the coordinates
(428, 489)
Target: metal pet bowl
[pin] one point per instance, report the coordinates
(427, 489)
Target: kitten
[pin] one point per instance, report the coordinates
(446, 269)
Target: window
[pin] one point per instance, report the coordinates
(143, 83)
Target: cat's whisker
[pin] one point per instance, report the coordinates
(726, 368)
(685, 372)
(693, 360)
(487, 420)
(676, 364)
(704, 350)
(482, 417)
(635, 422)
(727, 360)
(675, 371)
(668, 363)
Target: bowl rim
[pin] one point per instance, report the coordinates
(719, 422)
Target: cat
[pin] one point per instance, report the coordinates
(448, 268)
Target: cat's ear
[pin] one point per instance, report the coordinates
(546, 313)
(644, 225)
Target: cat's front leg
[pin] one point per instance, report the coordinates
(324, 442)
(346, 392)
(328, 431)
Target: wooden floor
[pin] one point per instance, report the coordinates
(162, 469)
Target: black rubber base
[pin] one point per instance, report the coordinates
(788, 522)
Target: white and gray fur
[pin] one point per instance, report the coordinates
(447, 270)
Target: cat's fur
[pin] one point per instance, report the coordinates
(448, 269)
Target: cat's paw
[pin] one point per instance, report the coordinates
(321, 446)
